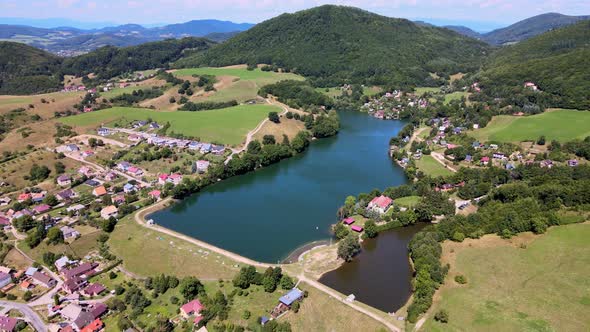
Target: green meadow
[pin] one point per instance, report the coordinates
(542, 286)
(430, 166)
(227, 126)
(562, 125)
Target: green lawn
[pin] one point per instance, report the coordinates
(561, 125)
(430, 166)
(227, 126)
(454, 96)
(119, 91)
(543, 287)
(423, 90)
(409, 201)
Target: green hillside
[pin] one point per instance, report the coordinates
(333, 44)
(25, 69)
(557, 61)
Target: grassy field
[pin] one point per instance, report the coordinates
(542, 285)
(455, 96)
(131, 242)
(562, 125)
(409, 201)
(227, 126)
(79, 248)
(430, 166)
(245, 85)
(423, 90)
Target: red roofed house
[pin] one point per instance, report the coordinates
(175, 178)
(356, 228)
(193, 308)
(24, 197)
(94, 289)
(155, 194)
(162, 179)
(42, 208)
(485, 160)
(135, 171)
(7, 323)
(99, 191)
(95, 326)
(348, 221)
(380, 204)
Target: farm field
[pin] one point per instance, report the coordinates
(226, 126)
(562, 125)
(528, 283)
(430, 166)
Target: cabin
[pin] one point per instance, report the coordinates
(572, 162)
(485, 160)
(40, 209)
(155, 194)
(286, 301)
(103, 131)
(380, 204)
(348, 221)
(69, 233)
(64, 180)
(356, 228)
(129, 188)
(201, 166)
(109, 211)
(99, 191)
(192, 309)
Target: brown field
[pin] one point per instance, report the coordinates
(56, 102)
(16, 260)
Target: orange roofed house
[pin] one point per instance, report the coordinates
(380, 204)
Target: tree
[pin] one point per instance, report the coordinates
(371, 229)
(301, 141)
(541, 140)
(190, 287)
(39, 173)
(54, 236)
(27, 296)
(109, 224)
(341, 231)
(59, 167)
(254, 147)
(172, 100)
(268, 139)
(287, 282)
(349, 247)
(460, 279)
(274, 117)
(442, 316)
(92, 142)
(246, 315)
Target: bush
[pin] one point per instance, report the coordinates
(460, 279)
(442, 316)
(246, 314)
(458, 237)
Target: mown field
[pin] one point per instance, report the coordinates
(227, 126)
(430, 166)
(562, 125)
(524, 284)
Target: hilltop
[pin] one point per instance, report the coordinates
(557, 61)
(530, 27)
(27, 69)
(333, 44)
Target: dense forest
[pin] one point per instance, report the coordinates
(25, 69)
(558, 62)
(333, 45)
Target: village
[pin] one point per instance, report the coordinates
(391, 104)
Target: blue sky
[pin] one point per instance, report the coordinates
(172, 11)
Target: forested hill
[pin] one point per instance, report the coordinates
(110, 61)
(531, 27)
(333, 44)
(28, 70)
(557, 61)
(25, 69)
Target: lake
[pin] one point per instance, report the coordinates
(264, 215)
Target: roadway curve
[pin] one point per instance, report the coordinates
(29, 314)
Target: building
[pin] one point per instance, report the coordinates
(348, 221)
(69, 233)
(8, 324)
(380, 204)
(135, 171)
(63, 262)
(99, 191)
(94, 326)
(44, 280)
(109, 211)
(162, 178)
(175, 179)
(83, 270)
(201, 166)
(155, 194)
(356, 228)
(42, 208)
(75, 208)
(72, 148)
(286, 301)
(64, 180)
(103, 132)
(5, 279)
(93, 289)
(193, 308)
(128, 188)
(65, 195)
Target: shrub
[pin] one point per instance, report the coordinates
(460, 279)
(442, 316)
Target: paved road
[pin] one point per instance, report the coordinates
(102, 169)
(29, 315)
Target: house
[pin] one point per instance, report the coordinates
(531, 85)
(217, 149)
(5, 201)
(38, 197)
(23, 197)
(134, 138)
(44, 280)
(63, 262)
(154, 125)
(286, 301)
(30, 271)
(468, 158)
(498, 155)
(65, 195)
(87, 153)
(92, 183)
(86, 171)
(476, 145)
(202, 166)
(64, 180)
(99, 191)
(572, 162)
(380, 204)
(4, 221)
(175, 178)
(68, 232)
(87, 109)
(75, 208)
(194, 145)
(8, 324)
(484, 160)
(118, 199)
(5, 279)
(83, 270)
(356, 228)
(494, 146)
(162, 178)
(103, 131)
(26, 285)
(155, 194)
(109, 211)
(205, 148)
(94, 326)
(135, 171)
(129, 188)
(93, 289)
(74, 284)
(510, 166)
(123, 166)
(193, 308)
(39, 209)
(72, 148)
(110, 176)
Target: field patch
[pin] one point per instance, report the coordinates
(226, 126)
(430, 166)
(527, 283)
(562, 125)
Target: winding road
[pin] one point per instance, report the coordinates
(30, 315)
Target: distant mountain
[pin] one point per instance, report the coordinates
(333, 44)
(558, 62)
(67, 39)
(465, 31)
(25, 69)
(50, 23)
(530, 27)
(220, 37)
